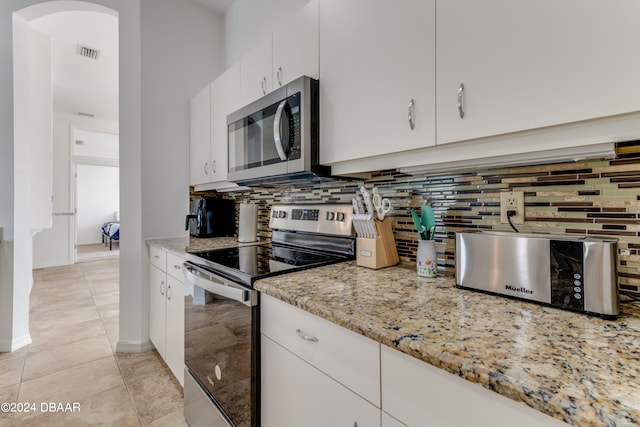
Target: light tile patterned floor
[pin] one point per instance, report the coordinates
(74, 328)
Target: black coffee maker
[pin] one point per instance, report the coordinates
(211, 217)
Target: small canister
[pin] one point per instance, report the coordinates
(426, 261)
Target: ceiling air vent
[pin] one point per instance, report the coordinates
(88, 52)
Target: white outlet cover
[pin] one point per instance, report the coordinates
(517, 198)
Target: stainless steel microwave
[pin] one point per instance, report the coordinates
(274, 140)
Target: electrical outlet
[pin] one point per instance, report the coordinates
(512, 200)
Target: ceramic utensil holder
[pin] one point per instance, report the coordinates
(426, 261)
(379, 252)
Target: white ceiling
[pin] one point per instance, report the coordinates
(81, 84)
(86, 85)
(218, 6)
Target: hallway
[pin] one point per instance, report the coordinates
(74, 328)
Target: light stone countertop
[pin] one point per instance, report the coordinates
(578, 368)
(181, 245)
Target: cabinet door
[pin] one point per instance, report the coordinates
(350, 358)
(295, 394)
(295, 47)
(157, 308)
(200, 137)
(255, 72)
(419, 394)
(225, 94)
(528, 65)
(376, 56)
(174, 347)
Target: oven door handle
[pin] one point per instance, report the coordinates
(205, 280)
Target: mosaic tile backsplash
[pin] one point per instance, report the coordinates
(593, 197)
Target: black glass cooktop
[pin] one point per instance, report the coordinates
(249, 263)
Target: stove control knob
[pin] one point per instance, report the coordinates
(282, 214)
(340, 217)
(331, 216)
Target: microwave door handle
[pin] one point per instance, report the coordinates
(277, 124)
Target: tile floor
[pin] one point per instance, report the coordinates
(74, 328)
(97, 251)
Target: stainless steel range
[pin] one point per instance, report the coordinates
(222, 354)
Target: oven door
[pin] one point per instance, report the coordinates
(221, 349)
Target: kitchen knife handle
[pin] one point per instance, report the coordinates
(277, 137)
(411, 119)
(460, 100)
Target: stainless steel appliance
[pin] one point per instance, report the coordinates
(222, 354)
(211, 217)
(569, 272)
(274, 140)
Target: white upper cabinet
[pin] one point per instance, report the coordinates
(255, 69)
(225, 99)
(200, 137)
(531, 64)
(290, 52)
(377, 77)
(295, 47)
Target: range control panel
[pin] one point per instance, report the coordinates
(323, 219)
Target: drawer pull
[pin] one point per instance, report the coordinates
(156, 256)
(306, 337)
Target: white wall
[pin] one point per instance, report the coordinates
(89, 143)
(182, 50)
(98, 199)
(16, 250)
(249, 21)
(54, 247)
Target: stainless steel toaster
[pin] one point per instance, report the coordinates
(568, 272)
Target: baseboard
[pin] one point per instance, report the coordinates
(8, 346)
(133, 346)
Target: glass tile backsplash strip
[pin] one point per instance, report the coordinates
(592, 197)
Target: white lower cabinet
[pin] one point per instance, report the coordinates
(166, 309)
(294, 394)
(314, 372)
(419, 394)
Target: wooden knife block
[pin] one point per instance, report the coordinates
(379, 252)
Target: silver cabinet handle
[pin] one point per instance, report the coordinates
(156, 256)
(460, 103)
(168, 295)
(177, 267)
(264, 85)
(277, 137)
(411, 119)
(306, 337)
(206, 168)
(213, 166)
(162, 290)
(279, 76)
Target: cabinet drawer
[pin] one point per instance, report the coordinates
(158, 257)
(419, 394)
(351, 359)
(174, 266)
